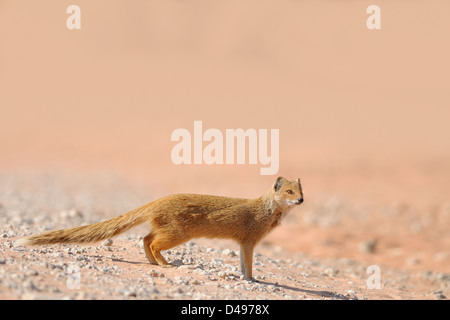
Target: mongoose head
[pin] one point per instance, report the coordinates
(287, 193)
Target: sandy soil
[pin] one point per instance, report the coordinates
(315, 254)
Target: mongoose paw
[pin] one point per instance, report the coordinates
(167, 265)
(250, 279)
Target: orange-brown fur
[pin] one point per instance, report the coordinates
(178, 218)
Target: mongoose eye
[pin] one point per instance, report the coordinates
(290, 191)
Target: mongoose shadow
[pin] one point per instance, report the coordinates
(320, 293)
(178, 218)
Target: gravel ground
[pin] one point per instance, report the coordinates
(204, 269)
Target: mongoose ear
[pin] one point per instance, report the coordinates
(277, 184)
(299, 184)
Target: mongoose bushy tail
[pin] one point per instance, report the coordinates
(89, 233)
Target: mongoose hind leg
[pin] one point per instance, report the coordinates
(148, 253)
(161, 243)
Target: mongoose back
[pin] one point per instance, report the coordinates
(178, 218)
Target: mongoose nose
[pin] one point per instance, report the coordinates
(300, 200)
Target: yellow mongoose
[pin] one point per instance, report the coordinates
(178, 218)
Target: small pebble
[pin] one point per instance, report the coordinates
(107, 242)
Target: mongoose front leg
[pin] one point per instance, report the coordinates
(246, 256)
